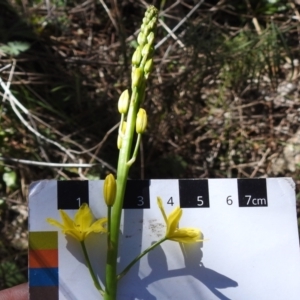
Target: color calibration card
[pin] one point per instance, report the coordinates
(250, 252)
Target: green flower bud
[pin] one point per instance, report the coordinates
(137, 77)
(141, 39)
(146, 30)
(147, 50)
(148, 66)
(150, 38)
(152, 24)
(123, 103)
(119, 140)
(141, 121)
(137, 56)
(151, 12)
(109, 190)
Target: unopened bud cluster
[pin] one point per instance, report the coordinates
(142, 57)
(142, 65)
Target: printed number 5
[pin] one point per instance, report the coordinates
(140, 201)
(200, 200)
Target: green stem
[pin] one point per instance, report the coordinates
(136, 149)
(139, 257)
(93, 275)
(137, 96)
(108, 226)
(122, 175)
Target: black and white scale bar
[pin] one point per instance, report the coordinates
(252, 192)
(193, 193)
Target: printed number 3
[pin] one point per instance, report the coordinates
(140, 201)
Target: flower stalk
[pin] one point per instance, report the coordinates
(139, 60)
(93, 275)
(133, 124)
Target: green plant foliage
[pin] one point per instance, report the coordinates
(14, 48)
(10, 179)
(10, 275)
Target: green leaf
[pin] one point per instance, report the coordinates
(10, 274)
(10, 178)
(14, 48)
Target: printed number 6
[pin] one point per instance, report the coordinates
(140, 201)
(200, 200)
(229, 200)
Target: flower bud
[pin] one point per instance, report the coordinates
(148, 66)
(147, 50)
(141, 121)
(150, 38)
(137, 56)
(136, 77)
(123, 103)
(119, 140)
(152, 24)
(151, 12)
(109, 190)
(141, 39)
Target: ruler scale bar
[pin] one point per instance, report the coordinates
(247, 223)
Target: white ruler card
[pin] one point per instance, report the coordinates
(251, 248)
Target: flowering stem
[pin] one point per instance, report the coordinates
(139, 257)
(93, 275)
(122, 175)
(140, 73)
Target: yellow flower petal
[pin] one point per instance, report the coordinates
(67, 221)
(82, 225)
(173, 220)
(55, 223)
(161, 207)
(75, 234)
(98, 226)
(173, 233)
(83, 217)
(187, 235)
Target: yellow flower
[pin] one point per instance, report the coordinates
(82, 225)
(182, 235)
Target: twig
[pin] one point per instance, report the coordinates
(179, 24)
(46, 164)
(260, 163)
(171, 33)
(13, 100)
(98, 147)
(109, 14)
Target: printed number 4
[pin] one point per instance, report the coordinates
(170, 201)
